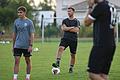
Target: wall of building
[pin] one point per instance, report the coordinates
(117, 2)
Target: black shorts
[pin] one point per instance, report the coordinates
(100, 59)
(19, 52)
(71, 43)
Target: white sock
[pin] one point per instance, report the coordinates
(27, 75)
(15, 76)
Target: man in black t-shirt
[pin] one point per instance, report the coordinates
(103, 39)
(70, 27)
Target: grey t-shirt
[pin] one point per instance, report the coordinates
(23, 28)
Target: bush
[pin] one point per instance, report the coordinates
(86, 31)
(51, 31)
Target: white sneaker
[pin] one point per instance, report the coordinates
(14, 78)
(27, 78)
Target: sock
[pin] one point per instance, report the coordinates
(58, 62)
(27, 75)
(15, 76)
(71, 66)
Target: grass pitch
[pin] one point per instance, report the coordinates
(42, 60)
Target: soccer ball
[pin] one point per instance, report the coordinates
(35, 49)
(7, 42)
(55, 70)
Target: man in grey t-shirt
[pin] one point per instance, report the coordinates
(23, 35)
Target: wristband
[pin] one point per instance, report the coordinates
(31, 45)
(90, 7)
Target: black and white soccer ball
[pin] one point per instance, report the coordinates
(55, 70)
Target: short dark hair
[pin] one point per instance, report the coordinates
(22, 8)
(71, 8)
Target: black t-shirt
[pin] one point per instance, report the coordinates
(71, 23)
(102, 32)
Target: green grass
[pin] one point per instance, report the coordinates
(42, 60)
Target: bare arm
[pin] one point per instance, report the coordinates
(14, 38)
(65, 28)
(31, 42)
(70, 29)
(88, 21)
(75, 29)
(31, 39)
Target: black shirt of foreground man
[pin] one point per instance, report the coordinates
(103, 33)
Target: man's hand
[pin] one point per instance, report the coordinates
(65, 28)
(91, 3)
(30, 49)
(87, 20)
(12, 50)
(68, 28)
(75, 29)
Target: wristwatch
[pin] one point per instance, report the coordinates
(31, 45)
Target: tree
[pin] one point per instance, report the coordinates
(4, 3)
(46, 5)
(8, 11)
(51, 31)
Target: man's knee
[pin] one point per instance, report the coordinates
(73, 56)
(27, 59)
(94, 76)
(105, 76)
(61, 49)
(17, 60)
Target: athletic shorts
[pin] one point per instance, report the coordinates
(71, 43)
(100, 59)
(19, 52)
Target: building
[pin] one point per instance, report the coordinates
(80, 6)
(47, 16)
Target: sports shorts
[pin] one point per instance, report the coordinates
(100, 59)
(71, 43)
(19, 52)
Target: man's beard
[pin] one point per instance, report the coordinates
(70, 15)
(97, 1)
